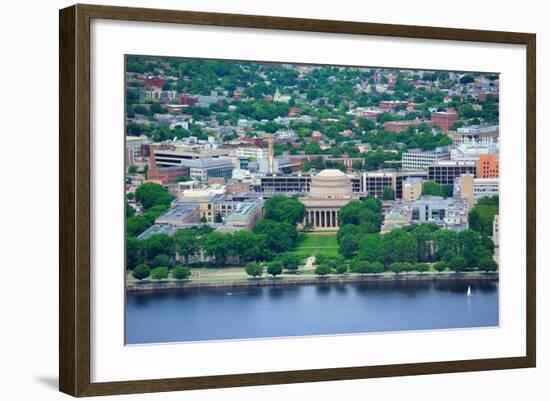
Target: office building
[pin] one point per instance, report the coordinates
(206, 168)
(451, 213)
(445, 172)
(285, 183)
(488, 166)
(412, 188)
(415, 159)
(473, 189)
(167, 175)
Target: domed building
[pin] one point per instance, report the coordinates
(329, 191)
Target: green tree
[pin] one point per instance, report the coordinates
(284, 209)
(341, 268)
(275, 268)
(323, 269)
(134, 252)
(161, 260)
(440, 266)
(130, 211)
(370, 248)
(217, 245)
(254, 269)
(446, 244)
(376, 268)
(158, 244)
(488, 264)
(289, 261)
(141, 272)
(447, 191)
(481, 218)
(281, 237)
(348, 246)
(388, 194)
(159, 273)
(180, 272)
(431, 188)
(246, 246)
(132, 169)
(420, 267)
(151, 194)
(186, 243)
(397, 267)
(407, 267)
(458, 263)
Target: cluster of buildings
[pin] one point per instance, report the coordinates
(224, 182)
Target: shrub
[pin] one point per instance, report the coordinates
(141, 271)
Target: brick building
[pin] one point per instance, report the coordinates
(444, 119)
(488, 166)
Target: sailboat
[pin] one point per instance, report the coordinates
(469, 293)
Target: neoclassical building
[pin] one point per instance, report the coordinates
(329, 191)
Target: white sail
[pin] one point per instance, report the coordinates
(469, 293)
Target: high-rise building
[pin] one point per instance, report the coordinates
(488, 166)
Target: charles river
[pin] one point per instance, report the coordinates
(303, 310)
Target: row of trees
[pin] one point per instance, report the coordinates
(422, 243)
(286, 261)
(144, 271)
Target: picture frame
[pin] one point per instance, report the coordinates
(76, 206)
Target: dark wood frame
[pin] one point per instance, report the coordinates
(74, 199)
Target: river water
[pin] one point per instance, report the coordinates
(305, 310)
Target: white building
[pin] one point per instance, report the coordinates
(485, 187)
(415, 159)
(251, 152)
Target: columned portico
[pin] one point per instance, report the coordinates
(330, 190)
(320, 218)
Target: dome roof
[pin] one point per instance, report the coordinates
(330, 183)
(330, 172)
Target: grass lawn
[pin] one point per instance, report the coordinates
(309, 245)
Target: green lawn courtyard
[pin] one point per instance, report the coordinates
(313, 245)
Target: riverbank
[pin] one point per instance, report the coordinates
(308, 280)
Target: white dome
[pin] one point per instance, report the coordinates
(331, 172)
(331, 183)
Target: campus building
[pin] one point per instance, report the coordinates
(445, 172)
(285, 183)
(451, 213)
(167, 175)
(206, 168)
(134, 145)
(488, 166)
(245, 215)
(415, 159)
(473, 189)
(412, 188)
(444, 119)
(330, 190)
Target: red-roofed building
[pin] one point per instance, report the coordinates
(153, 82)
(400, 126)
(188, 100)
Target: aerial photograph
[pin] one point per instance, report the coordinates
(267, 200)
